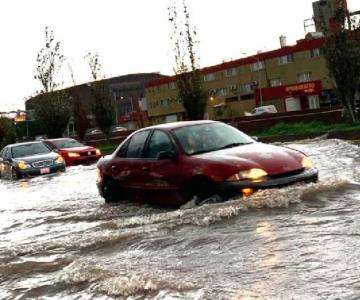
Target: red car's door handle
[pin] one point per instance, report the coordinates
(113, 168)
(146, 169)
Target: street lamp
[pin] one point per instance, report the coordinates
(259, 77)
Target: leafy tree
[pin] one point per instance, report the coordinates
(342, 54)
(53, 108)
(80, 119)
(103, 108)
(52, 111)
(187, 72)
(7, 131)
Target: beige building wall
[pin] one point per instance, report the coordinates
(229, 96)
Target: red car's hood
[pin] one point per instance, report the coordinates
(272, 159)
(78, 149)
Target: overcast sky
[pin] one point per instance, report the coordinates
(134, 35)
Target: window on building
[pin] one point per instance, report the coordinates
(231, 72)
(223, 92)
(275, 82)
(304, 77)
(233, 88)
(172, 86)
(257, 66)
(247, 87)
(124, 106)
(286, 59)
(209, 77)
(316, 52)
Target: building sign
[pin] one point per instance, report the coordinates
(306, 88)
(292, 90)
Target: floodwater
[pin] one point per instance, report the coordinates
(58, 240)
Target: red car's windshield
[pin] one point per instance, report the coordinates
(68, 143)
(209, 137)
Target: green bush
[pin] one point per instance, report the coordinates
(305, 128)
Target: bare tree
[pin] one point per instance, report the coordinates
(52, 110)
(187, 70)
(81, 121)
(103, 108)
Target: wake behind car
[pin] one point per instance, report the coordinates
(73, 151)
(175, 162)
(29, 159)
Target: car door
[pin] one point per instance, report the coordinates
(163, 178)
(2, 165)
(128, 165)
(6, 162)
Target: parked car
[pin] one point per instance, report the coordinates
(116, 129)
(261, 110)
(73, 151)
(93, 134)
(29, 159)
(175, 162)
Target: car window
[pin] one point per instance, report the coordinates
(29, 149)
(159, 142)
(200, 138)
(136, 144)
(68, 143)
(6, 154)
(122, 151)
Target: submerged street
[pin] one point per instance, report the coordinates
(59, 240)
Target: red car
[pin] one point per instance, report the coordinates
(73, 151)
(173, 163)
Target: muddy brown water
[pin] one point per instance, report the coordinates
(58, 240)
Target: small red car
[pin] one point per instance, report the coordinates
(173, 163)
(73, 151)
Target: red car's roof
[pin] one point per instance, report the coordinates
(174, 125)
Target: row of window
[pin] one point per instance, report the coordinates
(248, 87)
(254, 67)
(164, 102)
(260, 65)
(170, 86)
(301, 77)
(226, 91)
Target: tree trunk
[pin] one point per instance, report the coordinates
(350, 110)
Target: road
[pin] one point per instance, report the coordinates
(59, 240)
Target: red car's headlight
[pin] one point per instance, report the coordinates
(252, 174)
(98, 152)
(307, 163)
(73, 154)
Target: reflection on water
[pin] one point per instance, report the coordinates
(59, 240)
